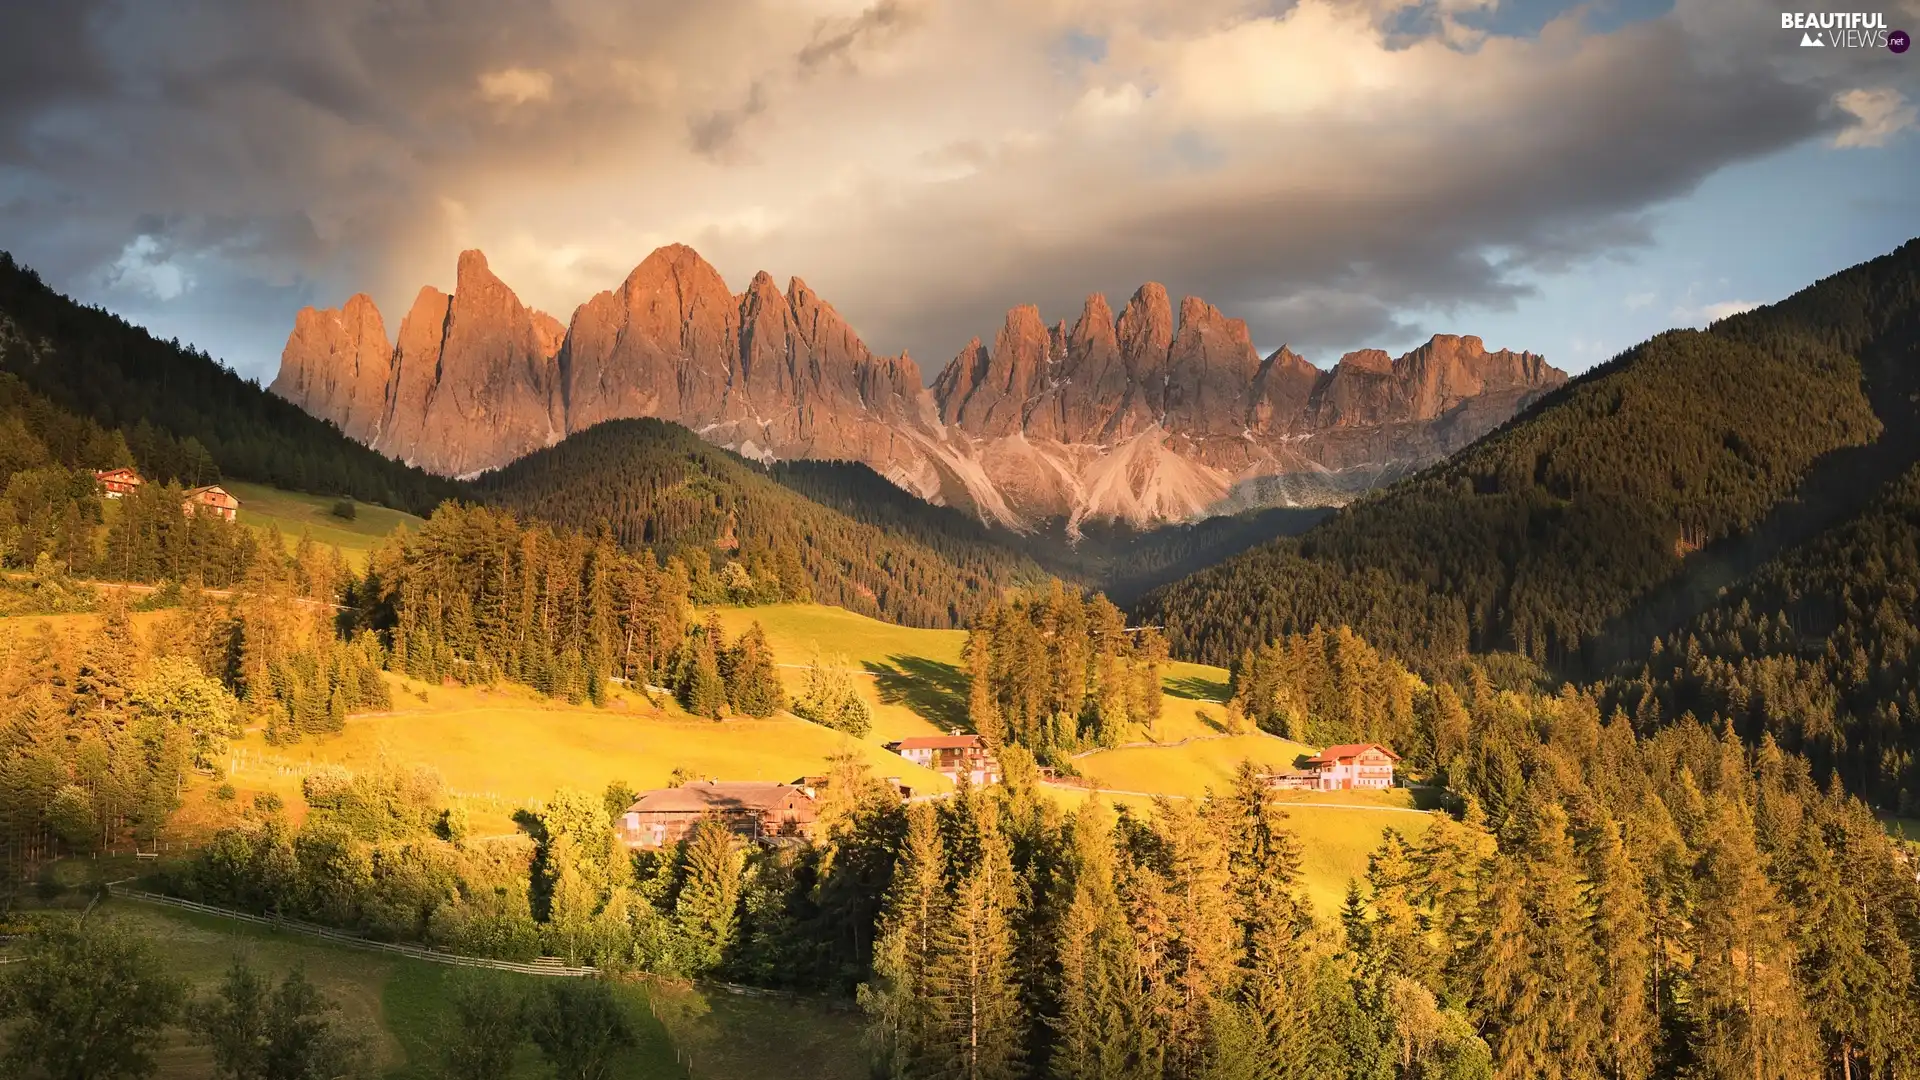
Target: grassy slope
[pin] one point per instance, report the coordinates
(918, 686)
(502, 748)
(402, 1005)
(262, 506)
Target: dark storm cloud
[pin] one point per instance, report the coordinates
(212, 164)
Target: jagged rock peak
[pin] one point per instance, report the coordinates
(336, 365)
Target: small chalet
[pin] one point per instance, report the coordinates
(118, 482)
(952, 756)
(1341, 768)
(212, 499)
(758, 810)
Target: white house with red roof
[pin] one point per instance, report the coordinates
(1345, 767)
(951, 756)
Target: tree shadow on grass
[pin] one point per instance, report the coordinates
(1197, 688)
(930, 688)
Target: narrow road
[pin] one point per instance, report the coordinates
(1284, 805)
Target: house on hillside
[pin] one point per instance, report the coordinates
(1346, 767)
(952, 756)
(118, 482)
(756, 809)
(212, 499)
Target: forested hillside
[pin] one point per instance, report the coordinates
(656, 485)
(1819, 649)
(180, 411)
(1612, 510)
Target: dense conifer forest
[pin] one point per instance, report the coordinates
(200, 419)
(1056, 672)
(657, 485)
(1684, 454)
(1819, 650)
(1599, 904)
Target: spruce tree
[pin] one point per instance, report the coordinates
(753, 686)
(1848, 990)
(1540, 982)
(978, 1029)
(708, 906)
(898, 999)
(1621, 929)
(698, 684)
(1101, 1029)
(1751, 1020)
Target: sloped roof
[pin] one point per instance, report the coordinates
(1348, 750)
(700, 796)
(936, 742)
(209, 489)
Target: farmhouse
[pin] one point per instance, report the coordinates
(212, 499)
(757, 810)
(952, 756)
(1341, 768)
(118, 482)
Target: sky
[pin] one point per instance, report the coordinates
(1342, 174)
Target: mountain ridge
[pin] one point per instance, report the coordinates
(1142, 417)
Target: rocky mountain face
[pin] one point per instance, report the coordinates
(1143, 417)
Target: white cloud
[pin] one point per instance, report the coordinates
(142, 268)
(1705, 314)
(516, 86)
(1879, 115)
(1638, 300)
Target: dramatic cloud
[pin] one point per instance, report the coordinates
(1879, 115)
(1321, 168)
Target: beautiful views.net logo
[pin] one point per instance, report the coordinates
(1844, 30)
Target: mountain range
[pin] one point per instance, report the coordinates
(1143, 417)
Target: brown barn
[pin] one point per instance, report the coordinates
(757, 810)
(118, 482)
(213, 499)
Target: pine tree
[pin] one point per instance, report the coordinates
(1751, 1019)
(978, 1024)
(753, 686)
(1848, 991)
(1620, 930)
(1102, 1028)
(898, 998)
(708, 906)
(1540, 983)
(698, 684)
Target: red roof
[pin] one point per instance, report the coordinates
(1349, 750)
(937, 742)
(121, 473)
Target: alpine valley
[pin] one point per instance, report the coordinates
(1147, 417)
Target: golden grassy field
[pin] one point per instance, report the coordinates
(262, 507)
(501, 748)
(506, 747)
(918, 687)
(401, 1006)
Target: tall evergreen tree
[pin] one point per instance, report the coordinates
(898, 998)
(753, 686)
(708, 905)
(978, 1024)
(1752, 1021)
